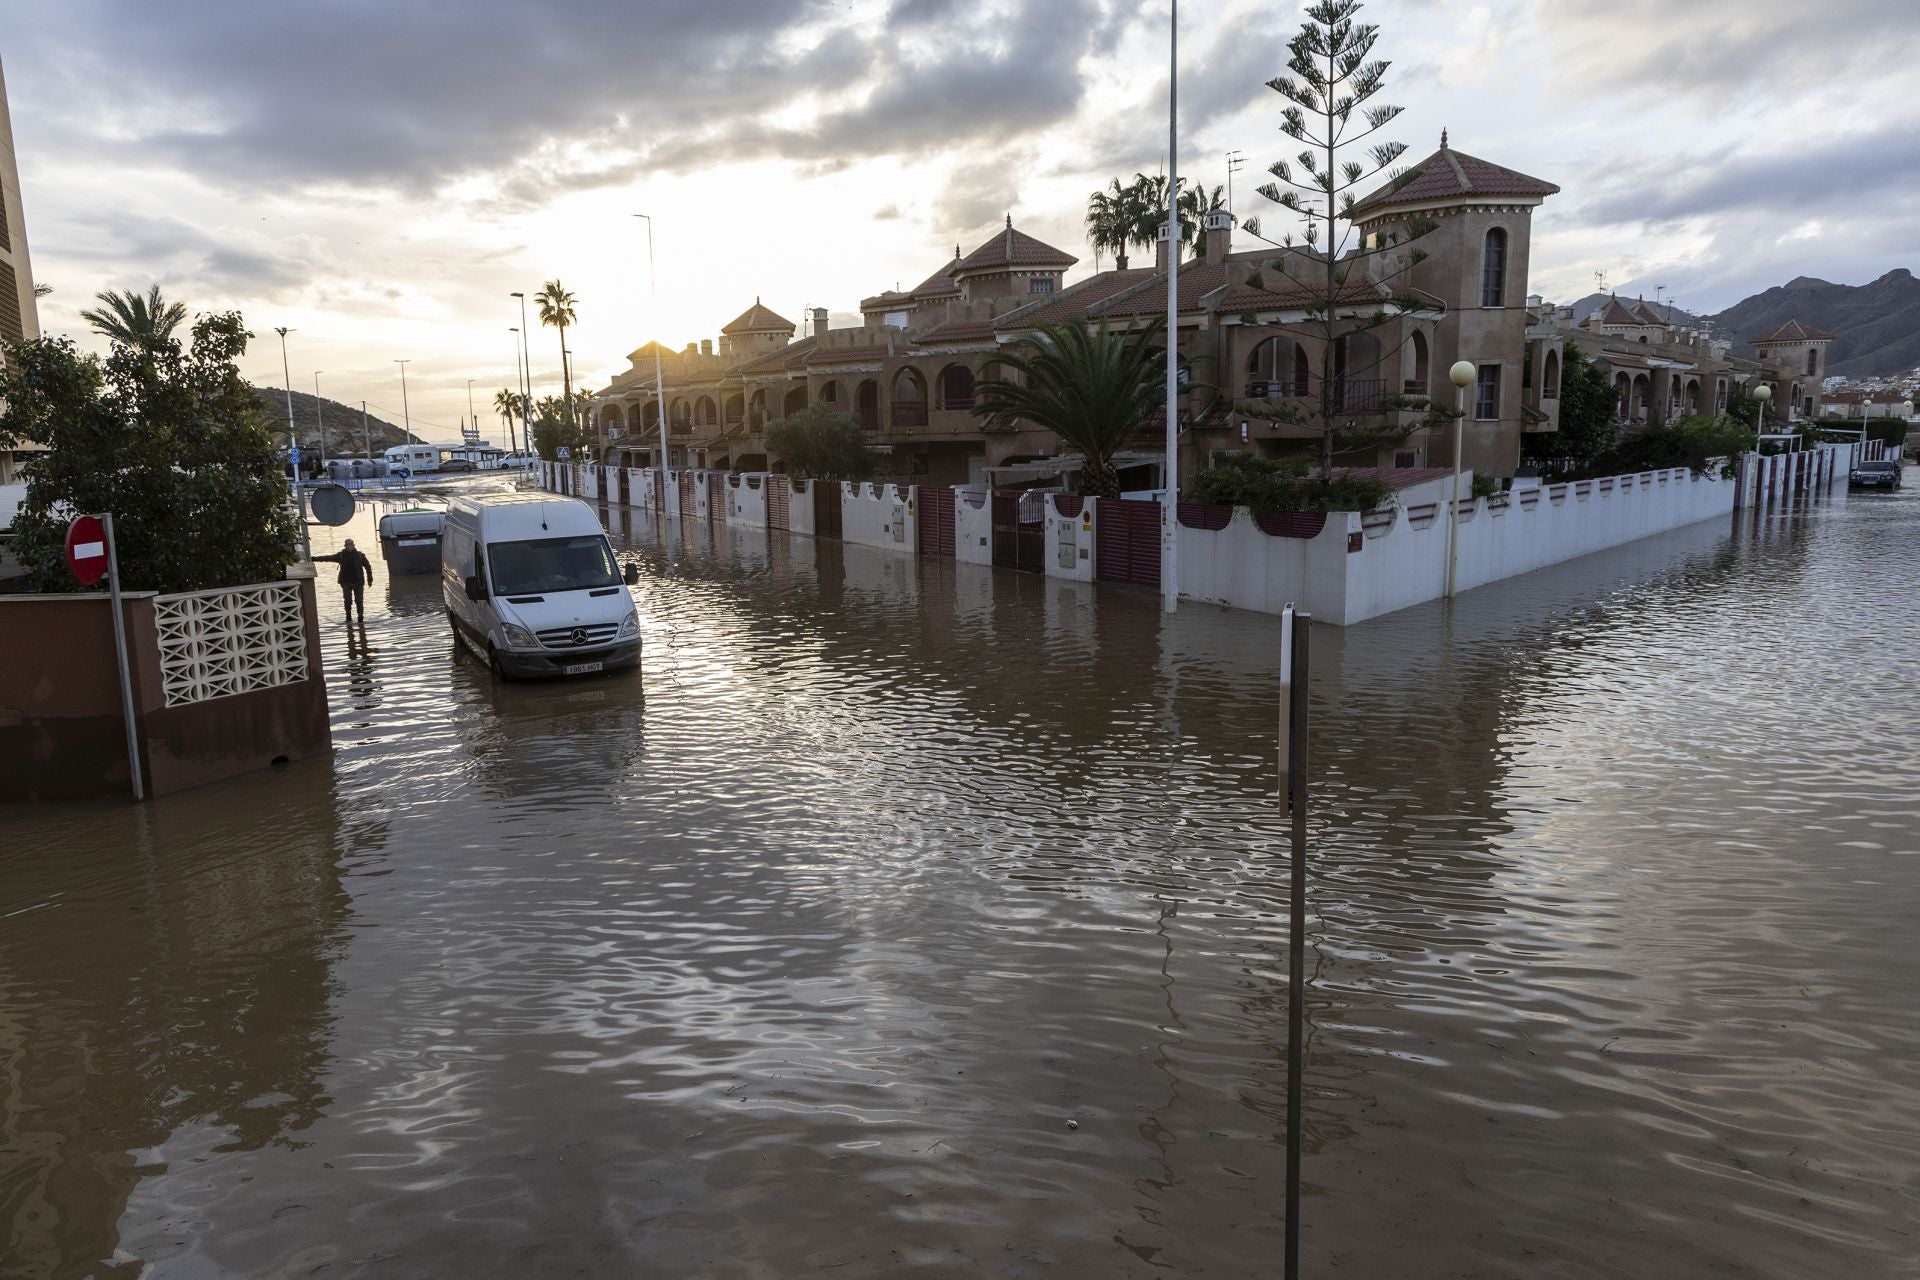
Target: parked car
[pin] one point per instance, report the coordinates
(1874, 475)
(456, 464)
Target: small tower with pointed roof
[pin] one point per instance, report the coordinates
(755, 332)
(1798, 353)
(1011, 264)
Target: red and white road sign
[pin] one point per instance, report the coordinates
(87, 549)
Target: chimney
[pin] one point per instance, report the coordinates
(706, 346)
(1160, 247)
(819, 322)
(1218, 228)
(693, 349)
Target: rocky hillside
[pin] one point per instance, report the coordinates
(1876, 326)
(344, 438)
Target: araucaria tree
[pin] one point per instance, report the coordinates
(170, 440)
(1350, 288)
(556, 312)
(1093, 389)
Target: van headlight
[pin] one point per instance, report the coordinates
(518, 637)
(630, 626)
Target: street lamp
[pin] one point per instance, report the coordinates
(1461, 375)
(1169, 507)
(659, 374)
(293, 441)
(519, 382)
(473, 423)
(1761, 393)
(406, 414)
(526, 376)
(320, 418)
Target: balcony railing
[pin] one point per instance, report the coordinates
(1357, 395)
(909, 413)
(957, 402)
(1414, 387)
(1266, 389)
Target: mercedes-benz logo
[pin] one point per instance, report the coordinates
(579, 635)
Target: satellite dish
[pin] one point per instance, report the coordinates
(332, 504)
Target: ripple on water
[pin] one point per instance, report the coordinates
(796, 953)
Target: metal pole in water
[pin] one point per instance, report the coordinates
(120, 652)
(1294, 675)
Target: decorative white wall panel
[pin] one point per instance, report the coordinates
(230, 640)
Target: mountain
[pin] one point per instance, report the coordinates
(344, 436)
(1876, 327)
(1594, 301)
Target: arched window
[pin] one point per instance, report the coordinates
(909, 399)
(705, 412)
(1276, 362)
(650, 414)
(736, 408)
(796, 400)
(1356, 372)
(830, 393)
(1813, 361)
(1493, 270)
(682, 415)
(956, 387)
(1550, 377)
(1417, 385)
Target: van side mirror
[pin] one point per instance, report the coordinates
(632, 573)
(476, 589)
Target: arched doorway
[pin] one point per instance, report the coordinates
(705, 412)
(1281, 364)
(796, 400)
(1356, 371)
(866, 404)
(1550, 376)
(1417, 384)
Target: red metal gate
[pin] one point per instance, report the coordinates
(1126, 538)
(717, 495)
(936, 521)
(1020, 531)
(687, 505)
(779, 502)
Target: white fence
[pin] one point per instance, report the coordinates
(879, 516)
(973, 524)
(747, 500)
(230, 640)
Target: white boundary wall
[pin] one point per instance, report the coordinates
(1069, 546)
(800, 506)
(882, 517)
(973, 524)
(1361, 567)
(747, 499)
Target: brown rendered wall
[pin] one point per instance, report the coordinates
(61, 731)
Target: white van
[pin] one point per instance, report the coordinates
(532, 586)
(412, 459)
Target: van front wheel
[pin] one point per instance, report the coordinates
(493, 664)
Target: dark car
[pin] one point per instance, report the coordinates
(456, 464)
(1874, 475)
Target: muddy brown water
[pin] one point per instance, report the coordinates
(795, 954)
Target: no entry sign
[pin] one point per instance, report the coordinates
(87, 549)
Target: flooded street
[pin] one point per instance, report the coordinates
(795, 953)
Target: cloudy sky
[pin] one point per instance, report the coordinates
(381, 174)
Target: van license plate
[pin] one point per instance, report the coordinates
(581, 668)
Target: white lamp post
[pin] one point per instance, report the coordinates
(1761, 393)
(1462, 374)
(659, 374)
(1169, 507)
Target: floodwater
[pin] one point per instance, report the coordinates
(796, 953)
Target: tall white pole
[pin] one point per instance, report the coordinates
(406, 413)
(659, 372)
(320, 418)
(526, 374)
(1169, 514)
(293, 443)
(120, 651)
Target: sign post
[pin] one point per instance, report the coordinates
(1293, 775)
(92, 552)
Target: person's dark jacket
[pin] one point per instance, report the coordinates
(352, 564)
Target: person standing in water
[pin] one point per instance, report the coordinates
(356, 575)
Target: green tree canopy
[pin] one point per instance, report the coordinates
(818, 443)
(1587, 424)
(1092, 388)
(170, 440)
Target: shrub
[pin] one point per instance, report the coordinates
(1283, 484)
(1699, 443)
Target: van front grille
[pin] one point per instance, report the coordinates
(580, 636)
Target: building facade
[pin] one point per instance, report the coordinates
(19, 313)
(1443, 278)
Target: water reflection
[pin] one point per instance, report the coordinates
(167, 980)
(796, 953)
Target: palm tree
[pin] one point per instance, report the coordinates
(136, 321)
(556, 311)
(1195, 204)
(1146, 208)
(1110, 223)
(508, 405)
(1091, 388)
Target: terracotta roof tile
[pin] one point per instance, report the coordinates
(1793, 331)
(1072, 304)
(959, 331)
(1448, 174)
(786, 357)
(757, 319)
(1010, 248)
(848, 355)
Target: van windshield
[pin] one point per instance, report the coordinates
(552, 564)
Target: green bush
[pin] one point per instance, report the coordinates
(1699, 443)
(1283, 484)
(1887, 431)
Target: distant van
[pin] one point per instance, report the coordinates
(532, 586)
(412, 459)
